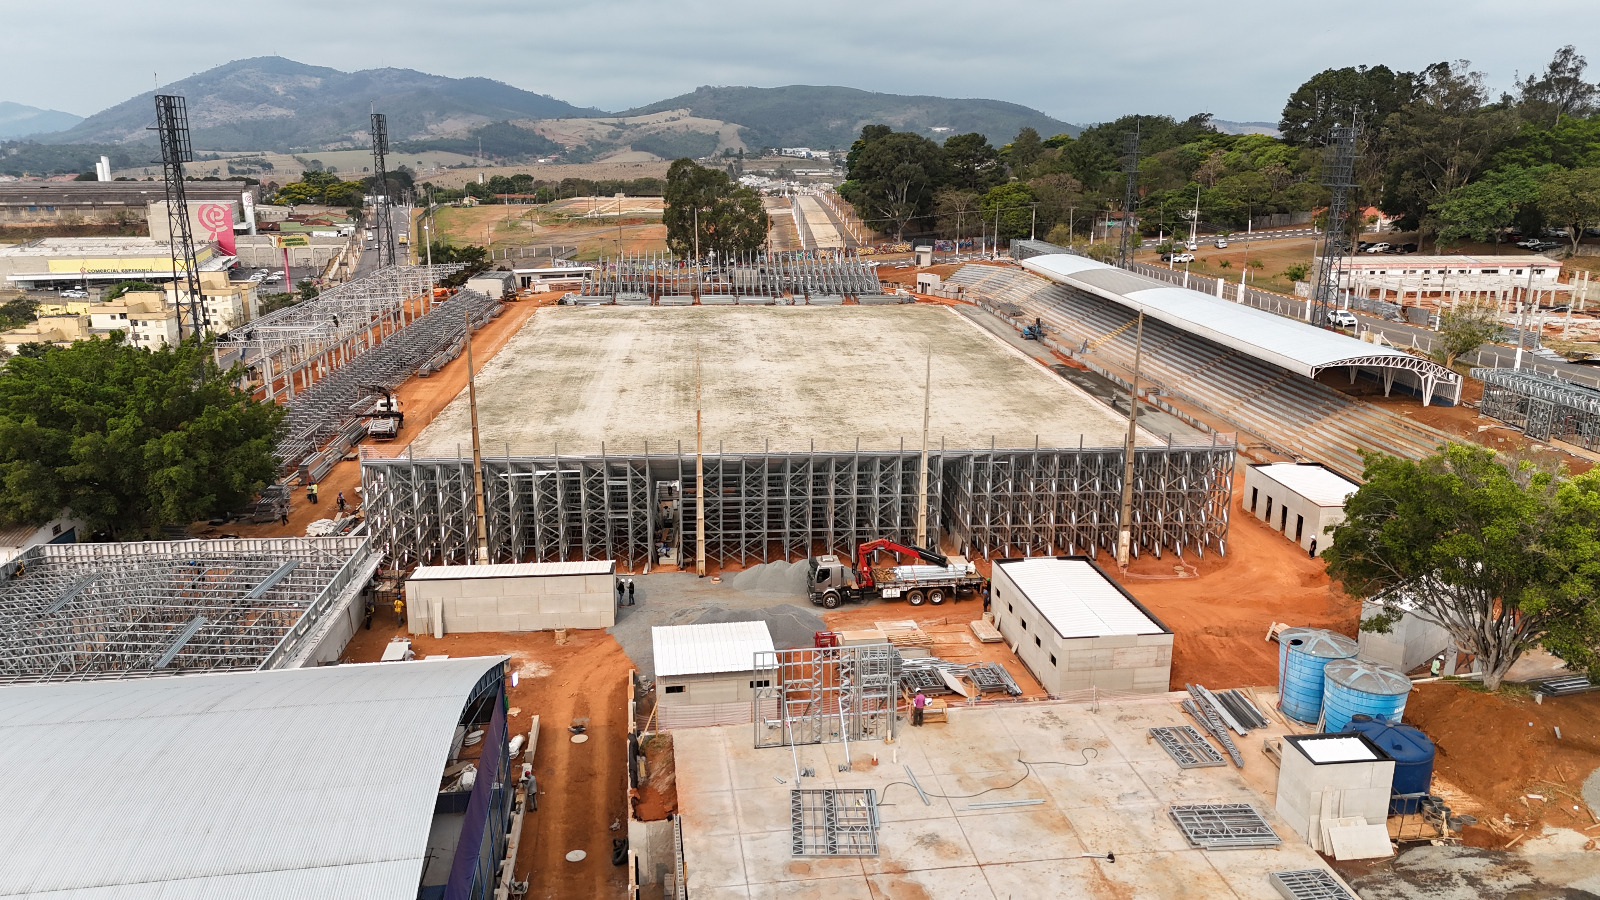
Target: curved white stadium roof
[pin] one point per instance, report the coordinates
(248, 785)
(1287, 343)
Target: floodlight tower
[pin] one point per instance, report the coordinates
(1338, 175)
(1130, 165)
(381, 208)
(172, 124)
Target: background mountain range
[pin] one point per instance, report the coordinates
(276, 104)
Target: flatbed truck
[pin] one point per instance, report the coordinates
(830, 582)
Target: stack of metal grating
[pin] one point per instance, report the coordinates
(1223, 826)
(992, 677)
(1308, 884)
(1561, 687)
(1187, 747)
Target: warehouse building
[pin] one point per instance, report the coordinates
(98, 261)
(1076, 629)
(104, 202)
(1302, 500)
(512, 597)
(704, 673)
(338, 781)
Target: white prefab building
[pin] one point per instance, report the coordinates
(493, 284)
(1076, 629)
(1329, 777)
(512, 597)
(704, 673)
(1407, 644)
(1302, 500)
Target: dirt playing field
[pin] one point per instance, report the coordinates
(529, 229)
(582, 787)
(580, 376)
(596, 171)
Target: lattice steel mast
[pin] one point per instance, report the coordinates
(1338, 175)
(382, 209)
(1130, 166)
(172, 124)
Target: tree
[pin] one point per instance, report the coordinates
(122, 287)
(1014, 204)
(730, 218)
(974, 163)
(893, 178)
(273, 302)
(305, 289)
(1503, 560)
(1559, 90)
(958, 211)
(1466, 327)
(1571, 197)
(1024, 150)
(129, 439)
(1481, 210)
(1341, 96)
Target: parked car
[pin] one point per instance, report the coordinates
(1183, 257)
(1528, 243)
(1408, 248)
(1222, 243)
(1341, 318)
(1379, 247)
(1542, 246)
(1363, 245)
(74, 294)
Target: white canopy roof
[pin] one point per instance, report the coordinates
(1286, 343)
(708, 648)
(248, 785)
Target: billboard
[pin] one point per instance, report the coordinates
(216, 225)
(282, 241)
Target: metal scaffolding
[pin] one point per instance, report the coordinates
(172, 124)
(1338, 176)
(72, 612)
(1542, 407)
(825, 695)
(766, 506)
(636, 277)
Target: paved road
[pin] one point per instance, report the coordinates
(1497, 356)
(1254, 237)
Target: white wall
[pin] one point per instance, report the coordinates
(1260, 490)
(526, 603)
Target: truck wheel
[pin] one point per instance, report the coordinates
(935, 596)
(830, 600)
(914, 598)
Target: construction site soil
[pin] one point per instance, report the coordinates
(778, 378)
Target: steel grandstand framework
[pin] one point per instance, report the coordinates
(639, 276)
(72, 612)
(1544, 408)
(766, 506)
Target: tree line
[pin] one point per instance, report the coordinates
(1436, 152)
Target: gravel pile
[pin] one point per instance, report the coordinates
(779, 578)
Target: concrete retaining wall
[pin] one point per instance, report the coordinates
(533, 603)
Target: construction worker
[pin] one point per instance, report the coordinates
(621, 591)
(370, 608)
(399, 612)
(341, 501)
(311, 492)
(918, 704)
(1313, 548)
(630, 591)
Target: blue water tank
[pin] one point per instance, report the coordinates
(1412, 753)
(1353, 686)
(1302, 654)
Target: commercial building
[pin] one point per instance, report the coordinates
(341, 781)
(704, 673)
(103, 202)
(98, 261)
(1076, 629)
(1380, 274)
(1302, 500)
(512, 597)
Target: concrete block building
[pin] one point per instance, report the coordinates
(512, 597)
(1332, 776)
(1302, 500)
(1076, 629)
(704, 673)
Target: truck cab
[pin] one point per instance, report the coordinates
(829, 582)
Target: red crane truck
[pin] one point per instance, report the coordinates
(830, 582)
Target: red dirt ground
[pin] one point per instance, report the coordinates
(582, 787)
(1526, 758)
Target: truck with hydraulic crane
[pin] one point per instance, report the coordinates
(829, 582)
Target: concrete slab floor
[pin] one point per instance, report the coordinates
(1114, 799)
(579, 376)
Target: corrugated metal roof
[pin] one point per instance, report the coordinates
(708, 648)
(1077, 599)
(287, 783)
(514, 570)
(1317, 483)
(1286, 343)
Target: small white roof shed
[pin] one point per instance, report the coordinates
(514, 570)
(1077, 599)
(1313, 481)
(708, 648)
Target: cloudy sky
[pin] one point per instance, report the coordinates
(1077, 60)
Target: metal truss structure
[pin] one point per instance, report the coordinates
(1186, 747)
(1338, 176)
(287, 351)
(833, 822)
(825, 695)
(1223, 826)
(1308, 884)
(766, 506)
(338, 402)
(74, 612)
(382, 207)
(743, 275)
(172, 126)
(1542, 407)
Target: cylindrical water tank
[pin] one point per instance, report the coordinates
(1302, 654)
(1412, 753)
(1356, 686)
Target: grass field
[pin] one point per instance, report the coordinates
(500, 227)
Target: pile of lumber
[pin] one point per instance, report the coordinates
(904, 633)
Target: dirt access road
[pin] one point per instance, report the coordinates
(582, 787)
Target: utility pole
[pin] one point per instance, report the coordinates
(477, 450)
(1130, 168)
(1125, 521)
(922, 480)
(699, 479)
(697, 295)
